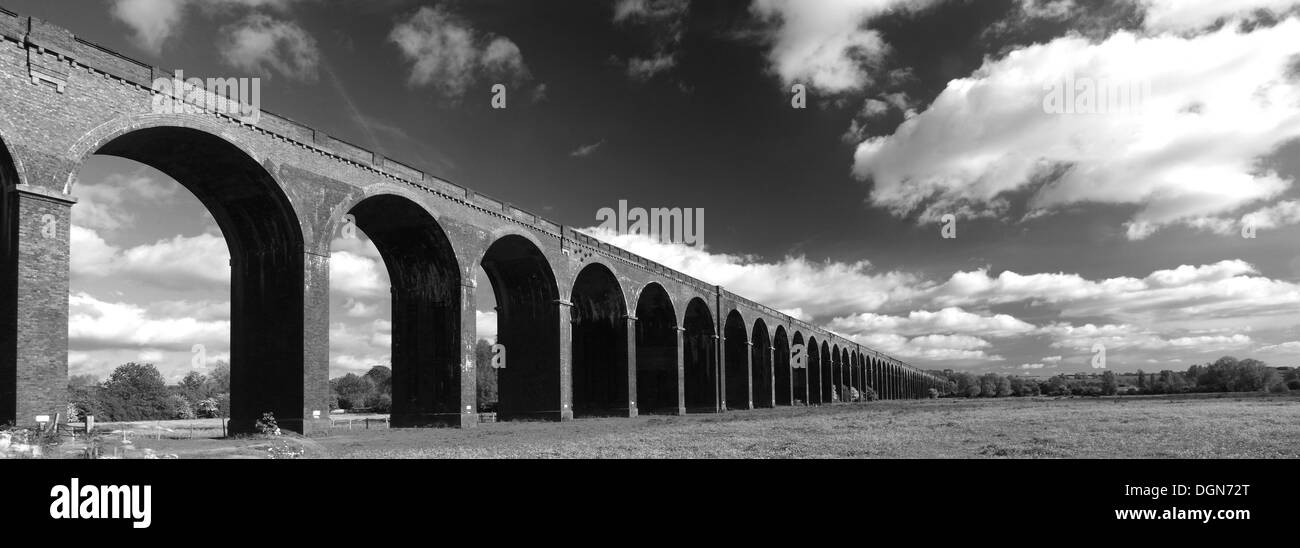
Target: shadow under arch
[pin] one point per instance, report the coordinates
(528, 326)
(815, 394)
(426, 307)
(837, 374)
(264, 237)
(761, 365)
(9, 180)
(600, 352)
(656, 353)
(826, 372)
(799, 369)
(700, 357)
(783, 379)
(737, 354)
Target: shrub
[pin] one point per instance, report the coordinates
(207, 409)
(267, 425)
(869, 394)
(223, 404)
(380, 403)
(1279, 388)
(177, 407)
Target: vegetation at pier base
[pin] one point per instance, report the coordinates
(1227, 374)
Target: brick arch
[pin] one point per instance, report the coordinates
(571, 281)
(599, 341)
(528, 318)
(263, 232)
(657, 347)
(688, 297)
(736, 366)
(15, 161)
(425, 282)
(641, 291)
(96, 138)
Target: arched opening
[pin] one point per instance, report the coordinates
(861, 368)
(762, 365)
(873, 376)
(260, 234)
(846, 376)
(8, 287)
(827, 379)
(837, 375)
(656, 352)
(799, 377)
(528, 327)
(599, 344)
(701, 358)
(737, 353)
(882, 372)
(781, 365)
(815, 393)
(891, 380)
(425, 308)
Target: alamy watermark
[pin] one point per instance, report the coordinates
(125, 502)
(669, 225)
(239, 98)
(1077, 94)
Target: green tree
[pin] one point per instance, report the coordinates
(381, 377)
(220, 378)
(1058, 386)
(989, 385)
(135, 391)
(1142, 381)
(352, 390)
(178, 407)
(194, 386)
(1109, 384)
(1254, 375)
(968, 385)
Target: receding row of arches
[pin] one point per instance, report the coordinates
(623, 361)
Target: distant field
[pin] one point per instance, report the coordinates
(1124, 427)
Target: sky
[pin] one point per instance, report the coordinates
(1099, 165)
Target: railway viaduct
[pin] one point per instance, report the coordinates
(589, 328)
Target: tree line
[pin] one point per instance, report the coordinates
(137, 391)
(1227, 374)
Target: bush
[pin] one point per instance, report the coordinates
(223, 405)
(1279, 388)
(177, 407)
(267, 425)
(380, 403)
(869, 394)
(207, 409)
(1293, 384)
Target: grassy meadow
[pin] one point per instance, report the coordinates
(1184, 426)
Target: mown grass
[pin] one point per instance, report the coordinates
(1192, 426)
(1124, 427)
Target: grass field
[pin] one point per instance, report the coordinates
(1193, 426)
